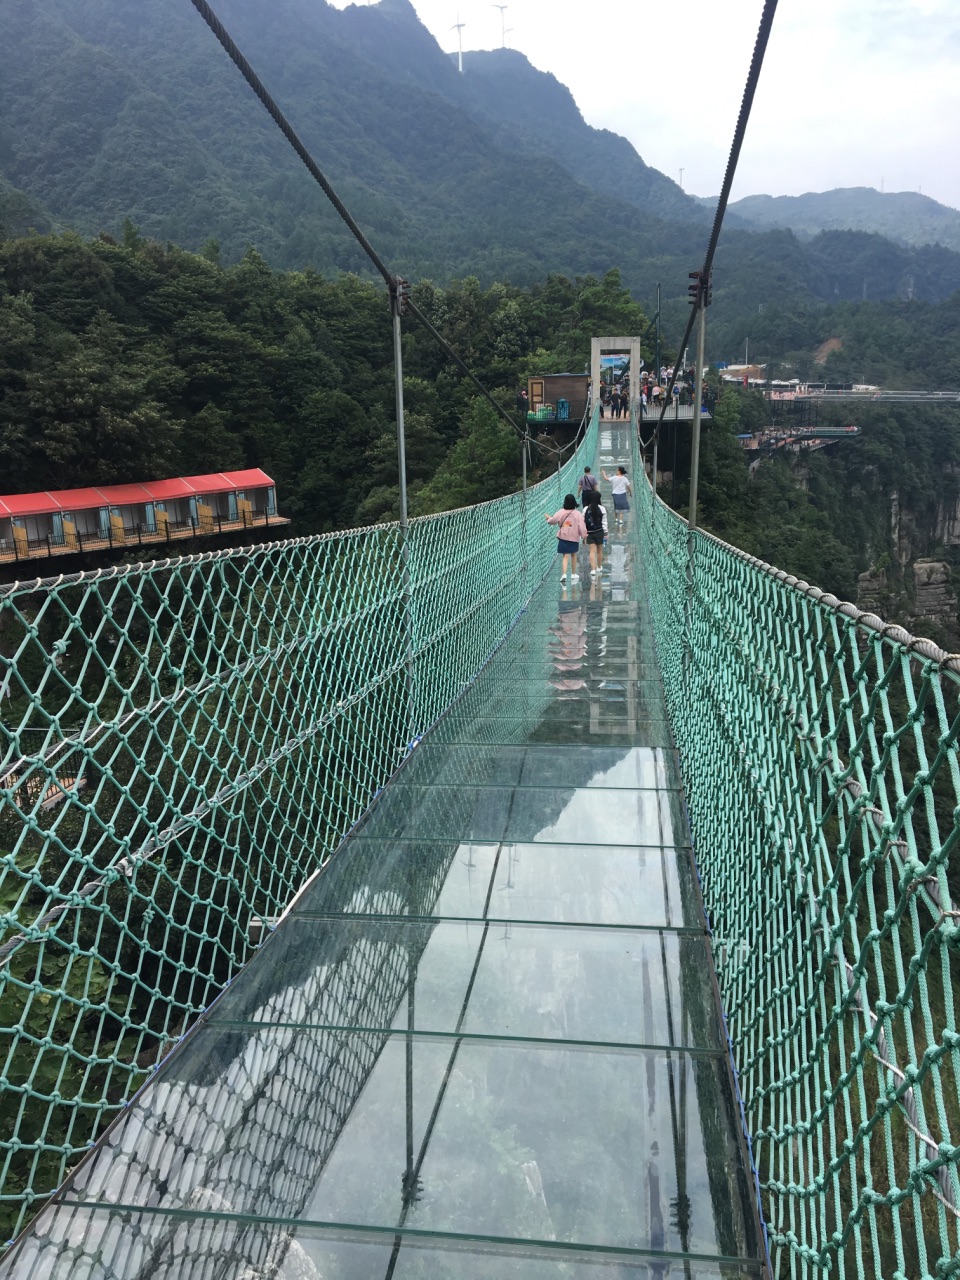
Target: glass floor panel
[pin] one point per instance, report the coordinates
(637, 625)
(538, 682)
(632, 768)
(595, 670)
(605, 986)
(541, 649)
(557, 815)
(573, 725)
(562, 692)
(573, 637)
(80, 1243)
(570, 618)
(520, 1141)
(613, 653)
(549, 883)
(623, 644)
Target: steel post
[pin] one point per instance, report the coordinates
(697, 411)
(656, 446)
(673, 498)
(694, 472)
(401, 437)
(524, 447)
(396, 304)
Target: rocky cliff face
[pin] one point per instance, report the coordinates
(948, 519)
(924, 599)
(910, 584)
(935, 599)
(874, 594)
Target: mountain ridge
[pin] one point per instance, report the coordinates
(132, 110)
(906, 217)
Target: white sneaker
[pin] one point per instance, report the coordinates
(594, 572)
(574, 577)
(563, 577)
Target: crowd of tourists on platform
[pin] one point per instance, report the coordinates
(615, 398)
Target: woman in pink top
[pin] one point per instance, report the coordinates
(571, 530)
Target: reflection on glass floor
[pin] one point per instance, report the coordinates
(483, 1044)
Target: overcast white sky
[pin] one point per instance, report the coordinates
(852, 93)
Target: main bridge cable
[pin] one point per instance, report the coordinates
(288, 131)
(399, 290)
(753, 78)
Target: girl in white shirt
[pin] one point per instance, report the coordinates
(620, 487)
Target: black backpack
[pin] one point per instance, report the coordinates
(592, 517)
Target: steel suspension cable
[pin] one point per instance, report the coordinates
(288, 131)
(753, 77)
(750, 89)
(546, 447)
(394, 283)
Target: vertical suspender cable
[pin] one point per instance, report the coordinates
(399, 301)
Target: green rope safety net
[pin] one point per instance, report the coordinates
(819, 754)
(184, 743)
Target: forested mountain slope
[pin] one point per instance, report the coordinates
(778, 300)
(112, 109)
(904, 216)
(531, 109)
(19, 214)
(125, 362)
(116, 109)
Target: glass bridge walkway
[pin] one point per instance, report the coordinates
(485, 1041)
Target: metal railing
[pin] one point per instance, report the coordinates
(884, 397)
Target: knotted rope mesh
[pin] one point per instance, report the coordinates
(820, 761)
(183, 745)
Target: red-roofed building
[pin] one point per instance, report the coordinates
(62, 521)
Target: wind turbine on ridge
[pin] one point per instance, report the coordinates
(503, 22)
(458, 27)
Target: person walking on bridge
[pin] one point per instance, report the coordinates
(571, 529)
(586, 483)
(620, 488)
(595, 520)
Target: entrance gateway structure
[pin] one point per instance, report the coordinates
(616, 346)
